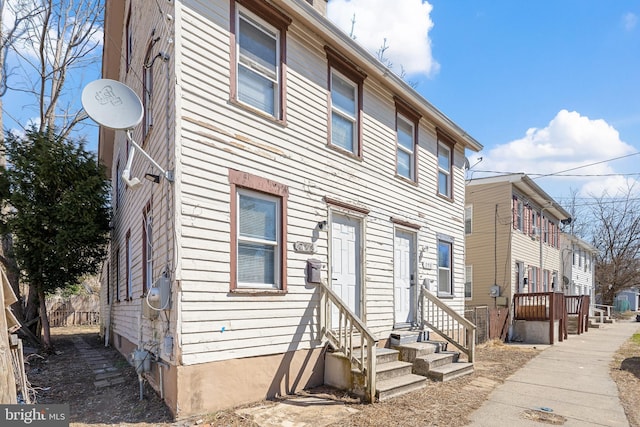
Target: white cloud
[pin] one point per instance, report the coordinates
(569, 141)
(405, 25)
(629, 20)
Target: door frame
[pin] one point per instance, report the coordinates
(413, 292)
(360, 217)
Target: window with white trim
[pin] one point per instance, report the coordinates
(533, 279)
(444, 170)
(468, 282)
(258, 62)
(344, 112)
(406, 145)
(258, 240)
(445, 283)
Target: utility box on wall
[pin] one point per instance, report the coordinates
(314, 271)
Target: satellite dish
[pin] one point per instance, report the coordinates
(112, 104)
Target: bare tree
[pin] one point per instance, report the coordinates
(60, 40)
(616, 235)
(46, 47)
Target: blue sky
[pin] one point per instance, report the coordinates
(545, 86)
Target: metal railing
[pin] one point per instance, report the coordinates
(448, 324)
(348, 333)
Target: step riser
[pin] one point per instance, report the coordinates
(423, 367)
(398, 391)
(448, 376)
(393, 373)
(410, 354)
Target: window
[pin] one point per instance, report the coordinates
(344, 113)
(468, 217)
(108, 283)
(258, 46)
(147, 90)
(117, 275)
(129, 40)
(128, 265)
(147, 249)
(517, 214)
(119, 183)
(545, 230)
(258, 211)
(444, 268)
(345, 87)
(545, 280)
(444, 170)
(468, 277)
(406, 132)
(533, 279)
(407, 119)
(520, 279)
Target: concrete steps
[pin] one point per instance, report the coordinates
(430, 359)
(394, 376)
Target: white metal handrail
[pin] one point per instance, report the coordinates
(447, 323)
(343, 337)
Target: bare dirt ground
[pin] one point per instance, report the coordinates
(65, 377)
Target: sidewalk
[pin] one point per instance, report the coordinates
(568, 382)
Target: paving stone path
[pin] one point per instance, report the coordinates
(105, 373)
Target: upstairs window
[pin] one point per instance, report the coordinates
(345, 87)
(258, 56)
(407, 121)
(129, 40)
(445, 162)
(344, 113)
(518, 208)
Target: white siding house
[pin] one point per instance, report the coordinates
(578, 266)
(287, 142)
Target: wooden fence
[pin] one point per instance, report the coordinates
(72, 318)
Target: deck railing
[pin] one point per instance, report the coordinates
(348, 333)
(447, 323)
(542, 306)
(578, 305)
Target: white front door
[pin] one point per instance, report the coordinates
(404, 278)
(345, 262)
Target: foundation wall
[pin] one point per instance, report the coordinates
(209, 387)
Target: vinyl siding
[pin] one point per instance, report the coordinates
(216, 136)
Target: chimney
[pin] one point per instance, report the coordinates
(320, 6)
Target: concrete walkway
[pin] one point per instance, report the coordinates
(567, 384)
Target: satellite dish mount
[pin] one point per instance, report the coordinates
(115, 106)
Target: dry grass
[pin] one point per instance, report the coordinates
(64, 378)
(625, 371)
(439, 404)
